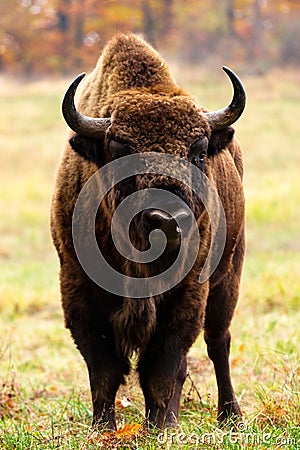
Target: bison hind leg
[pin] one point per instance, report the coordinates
(162, 381)
(171, 419)
(218, 351)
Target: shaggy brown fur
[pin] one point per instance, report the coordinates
(149, 112)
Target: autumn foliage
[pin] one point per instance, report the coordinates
(62, 36)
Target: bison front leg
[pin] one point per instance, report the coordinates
(162, 371)
(106, 375)
(162, 375)
(174, 403)
(90, 328)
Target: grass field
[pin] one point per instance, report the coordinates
(44, 394)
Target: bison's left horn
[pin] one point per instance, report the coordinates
(86, 126)
(227, 116)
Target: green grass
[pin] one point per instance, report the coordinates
(44, 394)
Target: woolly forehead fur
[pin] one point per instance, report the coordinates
(157, 122)
(133, 85)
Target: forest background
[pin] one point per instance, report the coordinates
(39, 37)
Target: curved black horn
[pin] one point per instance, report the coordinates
(227, 116)
(86, 126)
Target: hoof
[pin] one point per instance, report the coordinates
(229, 414)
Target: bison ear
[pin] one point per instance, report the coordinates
(89, 148)
(219, 140)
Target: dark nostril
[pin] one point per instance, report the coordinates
(156, 216)
(171, 225)
(181, 216)
(171, 228)
(154, 219)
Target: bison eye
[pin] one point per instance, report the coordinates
(198, 152)
(117, 149)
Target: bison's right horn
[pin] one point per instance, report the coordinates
(86, 126)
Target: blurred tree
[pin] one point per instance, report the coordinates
(63, 24)
(79, 23)
(62, 36)
(255, 42)
(148, 21)
(230, 15)
(63, 16)
(167, 14)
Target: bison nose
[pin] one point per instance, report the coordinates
(171, 224)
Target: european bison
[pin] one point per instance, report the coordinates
(131, 104)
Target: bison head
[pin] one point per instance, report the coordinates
(155, 120)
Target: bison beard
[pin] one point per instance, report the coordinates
(132, 104)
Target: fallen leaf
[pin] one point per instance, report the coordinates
(128, 430)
